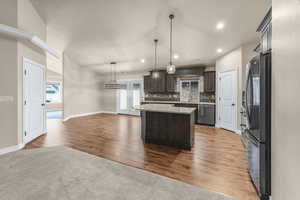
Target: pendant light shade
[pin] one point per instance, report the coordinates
(171, 68)
(155, 72)
(112, 84)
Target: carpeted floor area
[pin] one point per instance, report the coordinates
(61, 173)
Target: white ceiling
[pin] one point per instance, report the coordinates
(96, 32)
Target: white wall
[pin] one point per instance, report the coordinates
(230, 61)
(82, 89)
(22, 15)
(286, 100)
(236, 60)
(8, 76)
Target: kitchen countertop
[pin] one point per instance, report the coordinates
(179, 102)
(166, 108)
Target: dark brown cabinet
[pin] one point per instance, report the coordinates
(147, 84)
(171, 83)
(155, 85)
(210, 81)
(190, 106)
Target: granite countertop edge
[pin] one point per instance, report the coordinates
(178, 102)
(165, 108)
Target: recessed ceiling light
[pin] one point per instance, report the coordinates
(176, 56)
(220, 26)
(143, 60)
(219, 50)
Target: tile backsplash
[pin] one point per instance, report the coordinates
(162, 97)
(207, 97)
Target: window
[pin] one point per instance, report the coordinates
(54, 92)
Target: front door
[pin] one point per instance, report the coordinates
(129, 97)
(34, 100)
(227, 100)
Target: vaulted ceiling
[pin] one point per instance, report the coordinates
(96, 32)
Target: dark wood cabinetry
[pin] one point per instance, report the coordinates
(147, 84)
(188, 105)
(210, 81)
(155, 85)
(171, 83)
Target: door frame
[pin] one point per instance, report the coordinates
(235, 77)
(126, 81)
(24, 60)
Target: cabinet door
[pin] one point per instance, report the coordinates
(160, 82)
(171, 83)
(209, 81)
(147, 83)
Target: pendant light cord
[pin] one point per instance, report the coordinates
(171, 37)
(155, 54)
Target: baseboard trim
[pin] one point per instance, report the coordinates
(11, 149)
(217, 126)
(235, 131)
(88, 114)
(239, 132)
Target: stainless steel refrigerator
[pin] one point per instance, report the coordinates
(258, 131)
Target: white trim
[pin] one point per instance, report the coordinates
(217, 126)
(17, 33)
(236, 71)
(11, 148)
(88, 114)
(239, 132)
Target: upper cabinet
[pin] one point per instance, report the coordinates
(171, 83)
(210, 81)
(155, 85)
(266, 29)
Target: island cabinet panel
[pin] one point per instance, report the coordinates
(190, 106)
(171, 129)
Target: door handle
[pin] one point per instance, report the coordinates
(233, 104)
(42, 104)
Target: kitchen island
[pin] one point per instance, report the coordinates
(165, 124)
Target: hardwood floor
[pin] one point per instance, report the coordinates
(216, 163)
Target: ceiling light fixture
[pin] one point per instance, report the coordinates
(176, 56)
(155, 73)
(112, 84)
(220, 26)
(143, 60)
(171, 69)
(219, 50)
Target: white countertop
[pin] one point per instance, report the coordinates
(177, 102)
(167, 108)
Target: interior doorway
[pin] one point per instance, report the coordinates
(129, 97)
(227, 101)
(34, 94)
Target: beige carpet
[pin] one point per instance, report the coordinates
(61, 173)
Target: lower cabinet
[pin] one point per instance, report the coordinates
(206, 114)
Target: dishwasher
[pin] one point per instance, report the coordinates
(206, 114)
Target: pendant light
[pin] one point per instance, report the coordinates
(155, 72)
(171, 69)
(112, 84)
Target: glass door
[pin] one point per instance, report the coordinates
(130, 97)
